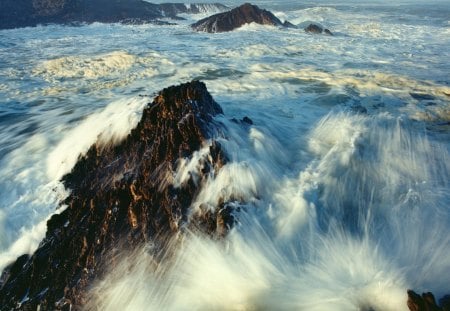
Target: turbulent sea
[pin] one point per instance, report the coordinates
(345, 170)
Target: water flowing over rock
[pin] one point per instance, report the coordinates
(173, 9)
(121, 197)
(237, 17)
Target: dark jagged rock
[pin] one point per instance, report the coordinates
(313, 28)
(445, 303)
(247, 120)
(316, 29)
(23, 13)
(123, 196)
(288, 24)
(426, 302)
(237, 17)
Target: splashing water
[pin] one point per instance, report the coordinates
(334, 209)
(366, 218)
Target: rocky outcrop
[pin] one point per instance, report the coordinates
(427, 302)
(121, 197)
(237, 17)
(316, 29)
(23, 13)
(15, 13)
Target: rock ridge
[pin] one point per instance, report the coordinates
(29, 13)
(237, 17)
(122, 196)
(427, 302)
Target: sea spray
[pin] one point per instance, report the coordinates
(393, 162)
(32, 193)
(350, 232)
(109, 126)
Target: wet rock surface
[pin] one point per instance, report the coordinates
(427, 302)
(121, 197)
(24, 13)
(237, 17)
(316, 29)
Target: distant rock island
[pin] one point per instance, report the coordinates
(29, 13)
(246, 14)
(237, 17)
(26, 13)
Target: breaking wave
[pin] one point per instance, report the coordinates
(339, 188)
(348, 231)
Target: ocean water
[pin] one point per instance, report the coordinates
(342, 182)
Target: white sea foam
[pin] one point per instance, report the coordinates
(109, 126)
(337, 210)
(28, 241)
(87, 67)
(31, 190)
(23, 223)
(348, 232)
(252, 274)
(207, 8)
(98, 72)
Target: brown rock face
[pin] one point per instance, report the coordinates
(122, 196)
(235, 18)
(426, 302)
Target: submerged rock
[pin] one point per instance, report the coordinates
(237, 17)
(245, 120)
(422, 96)
(316, 29)
(328, 32)
(123, 196)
